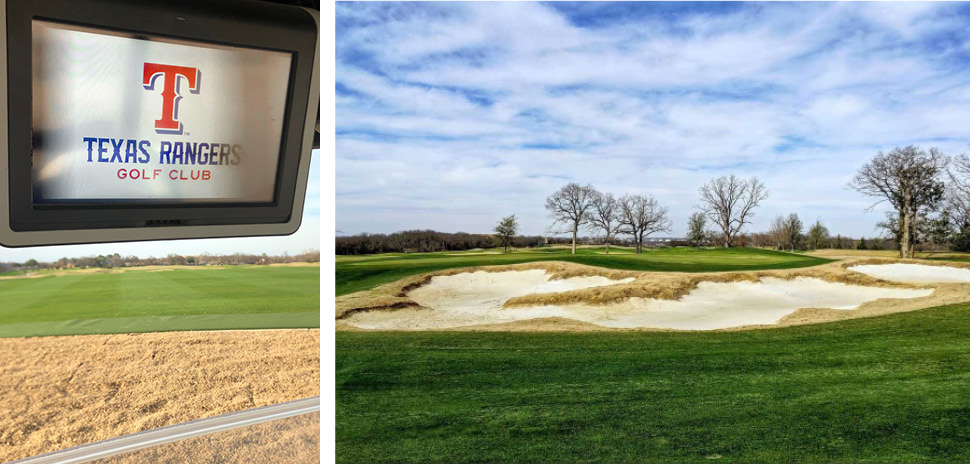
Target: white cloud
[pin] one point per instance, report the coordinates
(459, 113)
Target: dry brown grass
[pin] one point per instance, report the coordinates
(290, 440)
(889, 254)
(672, 286)
(943, 294)
(846, 253)
(58, 392)
(298, 264)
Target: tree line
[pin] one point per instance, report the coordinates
(116, 260)
(429, 241)
(574, 207)
(929, 193)
(728, 202)
(789, 233)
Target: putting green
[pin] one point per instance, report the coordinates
(355, 273)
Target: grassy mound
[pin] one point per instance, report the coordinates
(355, 273)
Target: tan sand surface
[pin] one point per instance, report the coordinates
(59, 392)
(651, 301)
(911, 273)
(472, 299)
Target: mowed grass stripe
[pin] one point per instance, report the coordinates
(117, 325)
(886, 389)
(355, 273)
(138, 293)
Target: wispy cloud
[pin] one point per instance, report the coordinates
(450, 115)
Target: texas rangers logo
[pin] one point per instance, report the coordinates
(172, 77)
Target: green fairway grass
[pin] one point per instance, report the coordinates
(231, 297)
(355, 273)
(889, 389)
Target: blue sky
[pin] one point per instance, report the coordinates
(452, 115)
(307, 238)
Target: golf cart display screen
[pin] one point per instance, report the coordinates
(125, 119)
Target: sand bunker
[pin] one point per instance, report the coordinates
(482, 290)
(476, 298)
(914, 273)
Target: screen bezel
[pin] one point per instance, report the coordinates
(244, 24)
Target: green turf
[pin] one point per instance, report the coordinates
(161, 299)
(355, 273)
(887, 389)
(116, 325)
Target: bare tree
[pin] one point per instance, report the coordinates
(794, 228)
(729, 202)
(817, 234)
(909, 179)
(505, 231)
(695, 228)
(570, 206)
(640, 217)
(779, 232)
(958, 195)
(761, 239)
(604, 215)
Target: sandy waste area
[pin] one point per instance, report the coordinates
(914, 273)
(478, 298)
(59, 392)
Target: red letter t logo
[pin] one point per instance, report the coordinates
(169, 124)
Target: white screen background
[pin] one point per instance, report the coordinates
(89, 83)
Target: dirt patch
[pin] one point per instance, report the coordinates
(23, 276)
(301, 264)
(58, 392)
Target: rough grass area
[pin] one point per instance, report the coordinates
(355, 273)
(159, 299)
(887, 389)
(59, 392)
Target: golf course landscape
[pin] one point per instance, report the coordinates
(159, 299)
(852, 388)
(651, 232)
(355, 273)
(88, 354)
